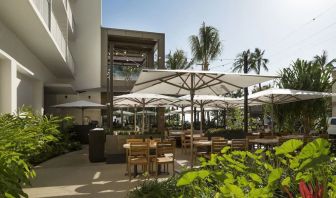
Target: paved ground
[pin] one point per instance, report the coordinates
(72, 175)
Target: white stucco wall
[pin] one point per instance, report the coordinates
(86, 46)
(14, 47)
(8, 85)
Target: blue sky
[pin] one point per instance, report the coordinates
(286, 29)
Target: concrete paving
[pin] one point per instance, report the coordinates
(72, 175)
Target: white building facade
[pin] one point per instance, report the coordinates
(49, 49)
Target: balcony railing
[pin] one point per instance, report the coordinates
(127, 73)
(43, 7)
(69, 14)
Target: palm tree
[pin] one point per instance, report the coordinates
(178, 60)
(323, 60)
(259, 62)
(246, 57)
(206, 46)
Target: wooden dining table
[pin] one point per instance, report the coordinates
(264, 141)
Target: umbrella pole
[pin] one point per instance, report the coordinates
(202, 118)
(192, 119)
(82, 116)
(135, 118)
(182, 118)
(143, 116)
(272, 97)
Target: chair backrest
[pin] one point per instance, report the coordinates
(139, 149)
(201, 139)
(239, 144)
(165, 147)
(134, 140)
(217, 138)
(217, 145)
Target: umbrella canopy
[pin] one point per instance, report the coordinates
(178, 82)
(126, 113)
(147, 112)
(282, 96)
(80, 104)
(143, 99)
(184, 82)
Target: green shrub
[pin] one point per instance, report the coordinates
(27, 138)
(288, 172)
(154, 189)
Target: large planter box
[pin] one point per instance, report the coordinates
(114, 150)
(114, 143)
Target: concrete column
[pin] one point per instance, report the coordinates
(8, 84)
(38, 96)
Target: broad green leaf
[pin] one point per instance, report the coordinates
(286, 181)
(255, 177)
(187, 178)
(225, 149)
(315, 149)
(235, 191)
(275, 175)
(203, 173)
(288, 147)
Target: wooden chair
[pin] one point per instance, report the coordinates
(217, 145)
(165, 152)
(128, 141)
(134, 140)
(200, 151)
(185, 143)
(217, 138)
(138, 155)
(239, 144)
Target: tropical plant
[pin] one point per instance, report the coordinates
(178, 60)
(206, 46)
(254, 61)
(293, 171)
(315, 75)
(28, 138)
(155, 188)
(242, 59)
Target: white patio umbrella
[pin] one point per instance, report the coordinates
(126, 113)
(206, 100)
(143, 99)
(81, 104)
(282, 96)
(184, 82)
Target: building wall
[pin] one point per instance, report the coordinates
(16, 49)
(7, 85)
(89, 114)
(86, 46)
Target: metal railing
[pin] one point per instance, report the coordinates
(127, 73)
(44, 9)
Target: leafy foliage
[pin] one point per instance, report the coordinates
(178, 60)
(314, 75)
(205, 46)
(154, 188)
(285, 172)
(27, 138)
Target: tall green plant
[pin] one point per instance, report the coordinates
(315, 75)
(178, 60)
(206, 46)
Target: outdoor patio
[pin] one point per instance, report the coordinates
(73, 175)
